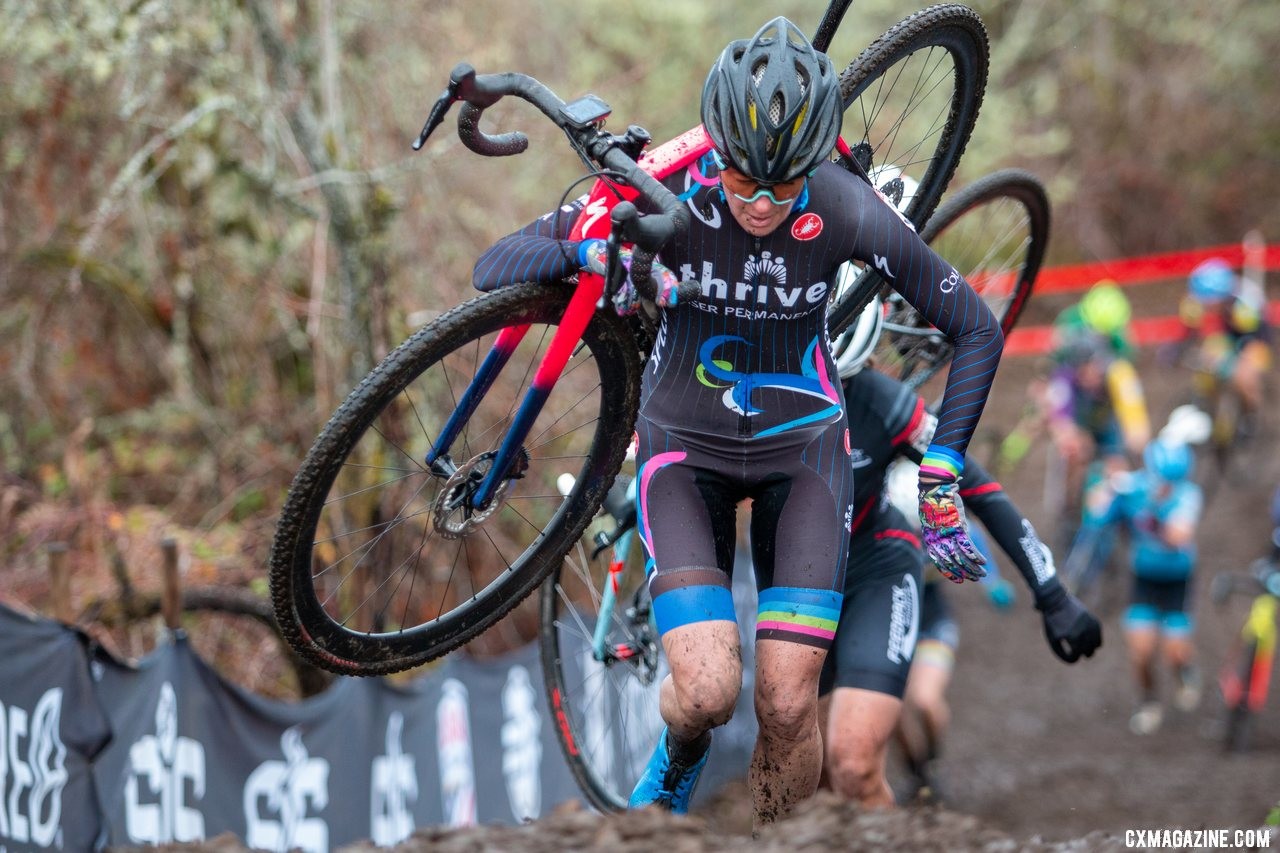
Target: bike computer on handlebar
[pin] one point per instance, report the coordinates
(585, 112)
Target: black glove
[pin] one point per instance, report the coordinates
(1070, 628)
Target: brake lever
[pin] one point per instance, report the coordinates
(461, 74)
(615, 273)
(437, 114)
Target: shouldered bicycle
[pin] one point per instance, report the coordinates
(1245, 677)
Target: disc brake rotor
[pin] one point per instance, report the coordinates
(454, 514)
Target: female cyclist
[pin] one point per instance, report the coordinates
(741, 399)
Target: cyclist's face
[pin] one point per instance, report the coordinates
(758, 218)
(762, 214)
(1092, 374)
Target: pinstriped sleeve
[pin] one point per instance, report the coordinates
(946, 300)
(537, 252)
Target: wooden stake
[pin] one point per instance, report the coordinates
(60, 582)
(171, 586)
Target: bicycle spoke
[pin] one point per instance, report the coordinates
(344, 496)
(359, 530)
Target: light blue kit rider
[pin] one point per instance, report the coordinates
(1147, 503)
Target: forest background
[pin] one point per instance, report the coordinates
(211, 223)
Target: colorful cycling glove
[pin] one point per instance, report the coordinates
(946, 533)
(593, 255)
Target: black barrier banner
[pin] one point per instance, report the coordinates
(192, 755)
(51, 728)
(195, 756)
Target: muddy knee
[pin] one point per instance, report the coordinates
(786, 714)
(706, 675)
(706, 698)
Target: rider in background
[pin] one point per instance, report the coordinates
(1091, 404)
(1226, 313)
(1095, 412)
(866, 671)
(1161, 508)
(926, 712)
(1103, 309)
(740, 400)
(1275, 527)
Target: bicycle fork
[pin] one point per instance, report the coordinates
(576, 317)
(1259, 630)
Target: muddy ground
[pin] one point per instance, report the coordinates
(1040, 756)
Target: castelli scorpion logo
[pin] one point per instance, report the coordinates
(807, 227)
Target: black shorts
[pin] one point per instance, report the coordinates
(880, 615)
(801, 487)
(1161, 605)
(936, 621)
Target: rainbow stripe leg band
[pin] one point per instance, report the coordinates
(798, 615)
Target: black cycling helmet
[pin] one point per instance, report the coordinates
(771, 104)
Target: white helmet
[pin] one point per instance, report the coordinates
(852, 349)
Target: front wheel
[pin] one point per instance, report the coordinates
(379, 562)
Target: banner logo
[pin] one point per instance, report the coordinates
(453, 742)
(522, 744)
(31, 780)
(162, 768)
(395, 786)
(280, 796)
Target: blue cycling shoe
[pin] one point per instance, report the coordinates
(665, 783)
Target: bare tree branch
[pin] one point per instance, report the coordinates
(110, 205)
(344, 221)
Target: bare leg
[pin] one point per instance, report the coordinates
(1178, 651)
(1249, 373)
(1180, 654)
(1142, 650)
(706, 676)
(858, 731)
(787, 760)
(1142, 641)
(926, 709)
(927, 694)
(824, 717)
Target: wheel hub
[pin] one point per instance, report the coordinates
(455, 513)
